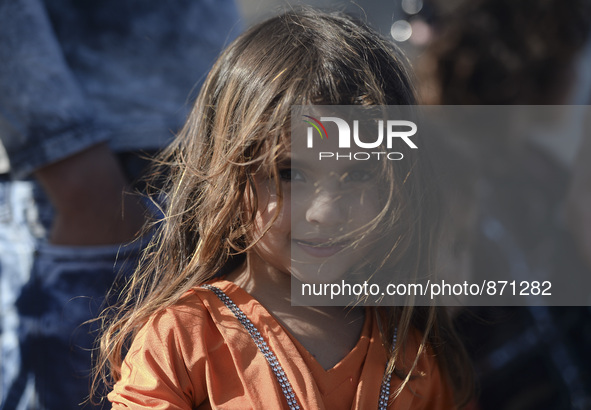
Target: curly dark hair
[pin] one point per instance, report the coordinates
(509, 52)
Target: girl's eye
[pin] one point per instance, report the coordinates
(291, 175)
(358, 175)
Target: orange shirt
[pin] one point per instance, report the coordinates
(196, 354)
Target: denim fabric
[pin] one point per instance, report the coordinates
(17, 242)
(72, 74)
(75, 73)
(67, 289)
(48, 293)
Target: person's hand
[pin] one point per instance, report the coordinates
(89, 193)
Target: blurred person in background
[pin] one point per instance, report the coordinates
(88, 91)
(503, 52)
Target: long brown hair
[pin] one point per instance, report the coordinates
(239, 123)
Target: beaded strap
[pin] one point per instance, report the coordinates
(262, 346)
(385, 390)
(272, 359)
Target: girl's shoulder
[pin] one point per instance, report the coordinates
(195, 314)
(191, 312)
(173, 345)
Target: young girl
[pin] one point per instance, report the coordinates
(206, 321)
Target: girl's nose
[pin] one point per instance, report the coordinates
(325, 208)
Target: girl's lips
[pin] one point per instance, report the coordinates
(318, 249)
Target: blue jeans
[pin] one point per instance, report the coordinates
(47, 293)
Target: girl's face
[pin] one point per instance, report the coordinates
(322, 231)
